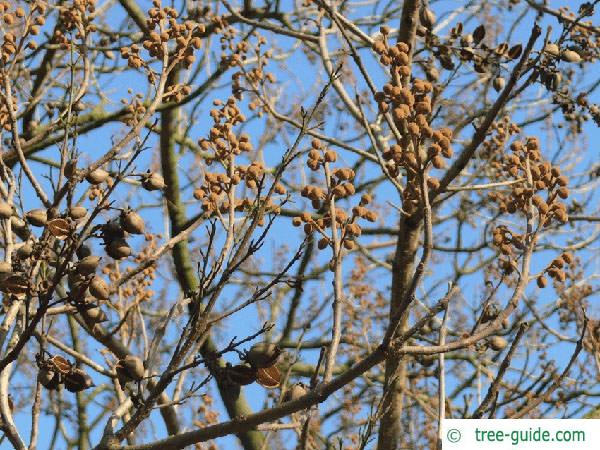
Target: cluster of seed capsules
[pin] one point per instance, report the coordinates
(185, 37)
(526, 160)
(14, 38)
(421, 145)
(340, 185)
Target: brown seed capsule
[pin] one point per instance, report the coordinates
(87, 266)
(71, 168)
(118, 249)
(25, 251)
(130, 368)
(98, 288)
(497, 343)
(5, 210)
(567, 257)
(77, 380)
(499, 83)
(268, 377)
(48, 378)
(83, 251)
(552, 49)
(570, 56)
(93, 313)
(542, 282)
(59, 228)
(60, 364)
(132, 222)
(427, 18)
(5, 267)
(295, 392)
(77, 212)
(241, 374)
(14, 284)
(97, 176)
(263, 354)
(37, 217)
(153, 182)
(323, 243)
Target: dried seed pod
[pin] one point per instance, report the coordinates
(25, 251)
(77, 380)
(17, 223)
(241, 374)
(59, 228)
(93, 313)
(497, 343)
(132, 222)
(567, 257)
(542, 282)
(130, 368)
(37, 217)
(48, 378)
(97, 176)
(5, 267)
(15, 284)
(60, 364)
(570, 56)
(552, 49)
(87, 265)
(83, 251)
(490, 312)
(427, 18)
(295, 392)
(118, 249)
(268, 377)
(71, 168)
(98, 288)
(77, 212)
(112, 231)
(263, 354)
(499, 83)
(153, 182)
(5, 210)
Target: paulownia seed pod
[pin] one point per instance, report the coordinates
(77, 212)
(77, 380)
(5, 267)
(25, 250)
(97, 176)
(118, 249)
(295, 392)
(87, 266)
(130, 368)
(263, 354)
(92, 312)
(132, 222)
(570, 56)
(98, 288)
(241, 374)
(48, 378)
(497, 343)
(153, 182)
(5, 210)
(37, 217)
(83, 251)
(552, 49)
(499, 83)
